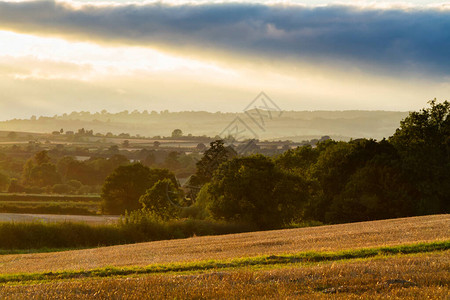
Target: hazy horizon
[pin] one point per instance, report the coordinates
(251, 124)
(105, 111)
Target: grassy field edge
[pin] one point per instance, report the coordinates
(267, 260)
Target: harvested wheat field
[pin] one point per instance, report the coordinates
(422, 276)
(324, 238)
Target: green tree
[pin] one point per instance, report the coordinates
(126, 184)
(15, 186)
(4, 181)
(159, 200)
(39, 171)
(123, 187)
(62, 188)
(113, 149)
(335, 166)
(42, 157)
(378, 190)
(252, 189)
(177, 133)
(171, 161)
(298, 159)
(150, 160)
(423, 142)
(331, 172)
(74, 184)
(200, 147)
(82, 171)
(217, 154)
(44, 175)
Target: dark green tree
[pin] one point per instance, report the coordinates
(126, 184)
(379, 190)
(423, 142)
(335, 166)
(160, 201)
(177, 133)
(39, 171)
(171, 161)
(42, 157)
(298, 159)
(150, 160)
(4, 181)
(217, 154)
(15, 186)
(44, 175)
(251, 189)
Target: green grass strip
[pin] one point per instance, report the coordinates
(303, 257)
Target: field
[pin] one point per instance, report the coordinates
(49, 204)
(358, 260)
(93, 220)
(406, 277)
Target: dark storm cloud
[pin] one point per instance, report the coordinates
(413, 40)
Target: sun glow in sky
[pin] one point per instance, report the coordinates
(96, 60)
(56, 57)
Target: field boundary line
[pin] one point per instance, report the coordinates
(302, 257)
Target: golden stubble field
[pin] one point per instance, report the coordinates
(423, 276)
(323, 238)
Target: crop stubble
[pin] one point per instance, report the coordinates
(424, 276)
(324, 238)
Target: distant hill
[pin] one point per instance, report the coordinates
(292, 125)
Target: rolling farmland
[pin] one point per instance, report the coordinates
(323, 238)
(403, 277)
(347, 261)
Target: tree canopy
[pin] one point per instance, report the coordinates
(253, 190)
(158, 200)
(126, 184)
(217, 154)
(336, 181)
(423, 142)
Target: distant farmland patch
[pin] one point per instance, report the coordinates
(9, 217)
(47, 198)
(50, 204)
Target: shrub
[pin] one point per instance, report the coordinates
(61, 188)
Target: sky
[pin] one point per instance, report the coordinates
(63, 56)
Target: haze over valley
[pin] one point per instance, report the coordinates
(290, 125)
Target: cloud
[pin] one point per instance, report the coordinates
(396, 40)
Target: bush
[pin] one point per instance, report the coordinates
(198, 210)
(15, 187)
(55, 235)
(35, 190)
(137, 226)
(75, 184)
(61, 188)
